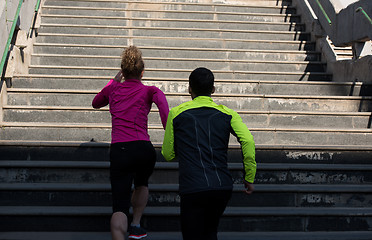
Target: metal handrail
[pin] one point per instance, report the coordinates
(5, 54)
(364, 13)
(324, 12)
(37, 5)
(11, 33)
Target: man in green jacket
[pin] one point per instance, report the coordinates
(197, 135)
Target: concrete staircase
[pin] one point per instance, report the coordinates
(313, 136)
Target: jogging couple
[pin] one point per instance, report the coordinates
(196, 135)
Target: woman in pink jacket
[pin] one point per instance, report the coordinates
(132, 156)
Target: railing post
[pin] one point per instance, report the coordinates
(3, 100)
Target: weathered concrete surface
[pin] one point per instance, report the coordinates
(347, 23)
(8, 10)
(348, 28)
(359, 70)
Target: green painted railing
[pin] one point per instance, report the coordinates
(37, 5)
(5, 54)
(360, 9)
(11, 33)
(324, 12)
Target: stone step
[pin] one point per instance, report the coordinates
(90, 61)
(258, 102)
(85, 8)
(324, 235)
(45, 49)
(169, 22)
(93, 218)
(161, 195)
(81, 3)
(167, 173)
(182, 73)
(227, 86)
(186, 32)
(231, 3)
(75, 115)
(178, 11)
(101, 133)
(265, 153)
(163, 41)
(171, 14)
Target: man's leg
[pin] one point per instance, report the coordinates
(201, 213)
(192, 217)
(218, 201)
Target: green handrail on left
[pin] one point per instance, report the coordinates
(11, 33)
(324, 12)
(37, 5)
(5, 54)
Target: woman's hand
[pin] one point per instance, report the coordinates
(119, 76)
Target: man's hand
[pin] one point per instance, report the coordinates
(248, 187)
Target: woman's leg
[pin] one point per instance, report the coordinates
(140, 197)
(146, 158)
(121, 184)
(119, 226)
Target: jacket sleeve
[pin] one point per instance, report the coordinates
(246, 141)
(168, 142)
(102, 98)
(162, 104)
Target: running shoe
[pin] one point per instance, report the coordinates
(136, 232)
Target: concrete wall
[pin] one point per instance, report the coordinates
(347, 24)
(341, 4)
(8, 9)
(359, 70)
(346, 70)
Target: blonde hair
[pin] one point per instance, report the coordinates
(132, 64)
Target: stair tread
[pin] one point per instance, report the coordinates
(296, 147)
(329, 235)
(264, 112)
(215, 95)
(174, 165)
(169, 28)
(318, 188)
(173, 211)
(159, 126)
(171, 3)
(181, 70)
(178, 48)
(177, 59)
(177, 38)
(178, 20)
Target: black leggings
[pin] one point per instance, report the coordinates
(129, 161)
(201, 212)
